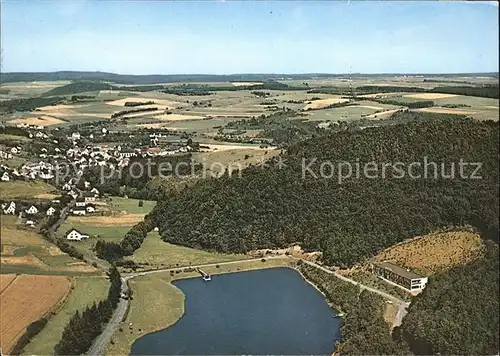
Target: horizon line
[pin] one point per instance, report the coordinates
(253, 73)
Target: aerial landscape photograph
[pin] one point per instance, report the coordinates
(227, 177)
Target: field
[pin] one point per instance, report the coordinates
(44, 120)
(430, 96)
(14, 138)
(27, 299)
(25, 89)
(233, 158)
(157, 304)
(323, 103)
(24, 189)
(25, 251)
(434, 253)
(120, 214)
(85, 291)
(159, 254)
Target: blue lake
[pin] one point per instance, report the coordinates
(269, 311)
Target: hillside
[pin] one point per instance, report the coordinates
(351, 220)
(78, 87)
(458, 311)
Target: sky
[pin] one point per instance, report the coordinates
(225, 37)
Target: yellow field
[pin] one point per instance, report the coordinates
(219, 147)
(27, 299)
(35, 250)
(136, 99)
(24, 189)
(440, 110)
(5, 280)
(12, 235)
(429, 96)
(112, 220)
(39, 121)
(434, 253)
(46, 196)
(177, 117)
(381, 114)
(323, 103)
(241, 84)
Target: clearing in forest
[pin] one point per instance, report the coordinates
(436, 252)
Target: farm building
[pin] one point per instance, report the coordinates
(32, 210)
(401, 276)
(75, 235)
(50, 211)
(79, 211)
(11, 209)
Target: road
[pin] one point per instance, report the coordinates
(102, 340)
(402, 305)
(111, 327)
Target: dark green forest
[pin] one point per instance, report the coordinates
(457, 314)
(28, 104)
(78, 87)
(355, 218)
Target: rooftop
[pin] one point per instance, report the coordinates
(406, 273)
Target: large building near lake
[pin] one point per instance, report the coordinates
(401, 276)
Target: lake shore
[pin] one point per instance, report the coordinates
(157, 304)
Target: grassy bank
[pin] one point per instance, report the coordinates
(87, 290)
(157, 304)
(155, 253)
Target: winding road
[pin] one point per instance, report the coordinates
(102, 340)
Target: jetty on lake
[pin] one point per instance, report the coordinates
(204, 275)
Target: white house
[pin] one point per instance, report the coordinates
(50, 211)
(66, 187)
(127, 153)
(73, 194)
(11, 209)
(90, 198)
(95, 191)
(46, 175)
(90, 209)
(399, 275)
(75, 135)
(5, 177)
(79, 211)
(75, 235)
(32, 210)
(30, 223)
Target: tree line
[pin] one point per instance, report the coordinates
(114, 252)
(28, 104)
(83, 327)
(131, 111)
(364, 330)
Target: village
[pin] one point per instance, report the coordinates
(62, 162)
